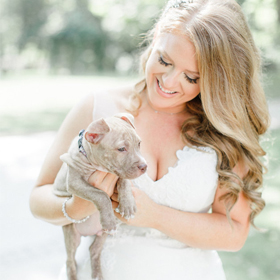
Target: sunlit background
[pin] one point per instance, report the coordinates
(54, 52)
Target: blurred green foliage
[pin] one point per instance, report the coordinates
(31, 122)
(258, 259)
(73, 36)
(86, 36)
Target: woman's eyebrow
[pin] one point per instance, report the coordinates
(168, 57)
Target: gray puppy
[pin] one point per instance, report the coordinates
(109, 145)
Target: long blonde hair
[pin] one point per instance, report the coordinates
(231, 112)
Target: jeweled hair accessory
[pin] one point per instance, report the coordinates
(176, 4)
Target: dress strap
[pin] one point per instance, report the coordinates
(104, 105)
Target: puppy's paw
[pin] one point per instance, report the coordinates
(127, 209)
(96, 273)
(97, 276)
(122, 214)
(129, 217)
(108, 223)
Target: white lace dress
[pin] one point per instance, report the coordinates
(147, 254)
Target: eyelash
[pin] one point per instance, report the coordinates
(162, 62)
(192, 81)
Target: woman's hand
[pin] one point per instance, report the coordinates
(100, 180)
(145, 209)
(79, 208)
(104, 181)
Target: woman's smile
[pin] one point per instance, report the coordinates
(163, 92)
(172, 73)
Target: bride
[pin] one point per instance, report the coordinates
(199, 111)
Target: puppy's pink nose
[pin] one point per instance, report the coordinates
(143, 167)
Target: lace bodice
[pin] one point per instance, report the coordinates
(188, 186)
(146, 253)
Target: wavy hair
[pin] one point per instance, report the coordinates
(230, 112)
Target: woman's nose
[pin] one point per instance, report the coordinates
(170, 79)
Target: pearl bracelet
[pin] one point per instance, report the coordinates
(69, 218)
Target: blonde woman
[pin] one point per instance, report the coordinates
(199, 111)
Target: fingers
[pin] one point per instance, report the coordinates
(103, 181)
(114, 197)
(110, 180)
(109, 183)
(115, 205)
(96, 178)
(99, 177)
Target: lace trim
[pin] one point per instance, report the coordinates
(125, 234)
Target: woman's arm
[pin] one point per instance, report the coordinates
(198, 230)
(209, 230)
(43, 203)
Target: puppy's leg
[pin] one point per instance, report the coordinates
(77, 186)
(72, 240)
(95, 255)
(127, 205)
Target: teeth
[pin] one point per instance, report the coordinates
(170, 92)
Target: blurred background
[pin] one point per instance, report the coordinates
(52, 53)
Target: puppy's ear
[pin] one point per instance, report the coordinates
(126, 117)
(96, 131)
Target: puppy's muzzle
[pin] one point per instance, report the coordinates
(142, 167)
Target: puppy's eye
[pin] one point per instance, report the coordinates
(123, 149)
(139, 144)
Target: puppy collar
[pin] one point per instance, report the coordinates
(80, 143)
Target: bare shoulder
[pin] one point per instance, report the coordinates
(120, 95)
(80, 116)
(121, 92)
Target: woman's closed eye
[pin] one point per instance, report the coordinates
(164, 63)
(192, 81)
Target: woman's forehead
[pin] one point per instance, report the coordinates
(177, 48)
